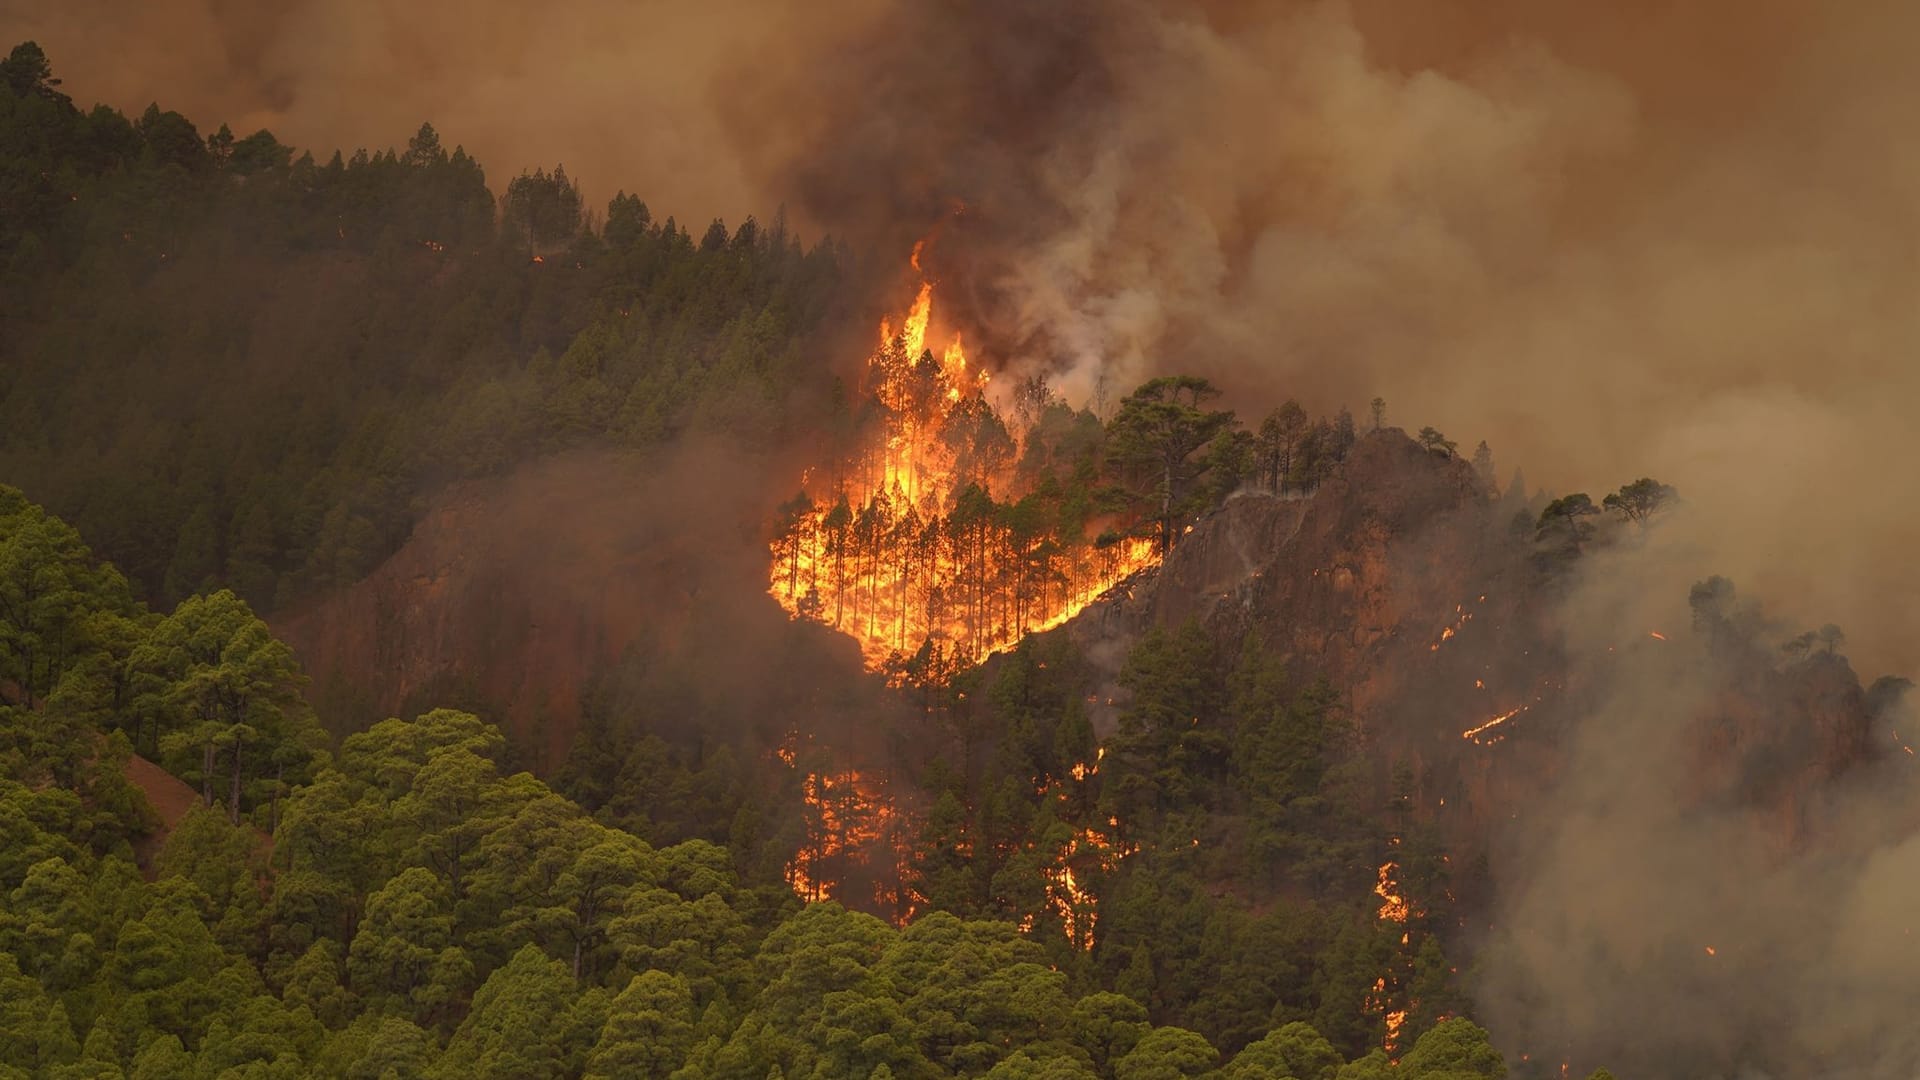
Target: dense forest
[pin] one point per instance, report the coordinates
(239, 372)
(230, 363)
(399, 906)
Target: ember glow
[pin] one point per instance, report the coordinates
(853, 831)
(1461, 619)
(1393, 906)
(903, 545)
(1068, 895)
(1475, 733)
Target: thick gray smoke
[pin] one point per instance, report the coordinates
(1716, 886)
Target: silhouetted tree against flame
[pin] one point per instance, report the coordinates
(1157, 432)
(836, 525)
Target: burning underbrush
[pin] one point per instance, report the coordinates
(860, 832)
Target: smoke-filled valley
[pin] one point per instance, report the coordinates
(1187, 538)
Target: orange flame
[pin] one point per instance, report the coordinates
(1447, 633)
(1473, 733)
(1067, 895)
(850, 820)
(1394, 909)
(901, 547)
(1393, 906)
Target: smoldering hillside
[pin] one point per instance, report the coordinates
(1710, 886)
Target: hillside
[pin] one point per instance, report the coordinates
(457, 630)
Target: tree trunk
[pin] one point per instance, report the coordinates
(1166, 510)
(206, 773)
(233, 804)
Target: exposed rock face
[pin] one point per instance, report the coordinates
(1401, 581)
(1356, 582)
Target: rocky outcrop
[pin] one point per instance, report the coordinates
(1357, 582)
(1401, 582)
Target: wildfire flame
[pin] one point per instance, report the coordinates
(1473, 733)
(902, 545)
(1395, 910)
(1067, 895)
(1447, 632)
(851, 821)
(1393, 906)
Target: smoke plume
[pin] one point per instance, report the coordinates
(1612, 241)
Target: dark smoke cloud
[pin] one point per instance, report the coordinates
(1612, 240)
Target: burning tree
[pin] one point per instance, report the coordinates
(902, 544)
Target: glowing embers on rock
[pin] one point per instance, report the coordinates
(902, 544)
(1494, 728)
(1479, 732)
